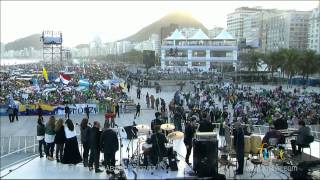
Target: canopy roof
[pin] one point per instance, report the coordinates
(225, 35)
(199, 35)
(176, 35)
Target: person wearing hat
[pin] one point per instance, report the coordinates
(280, 122)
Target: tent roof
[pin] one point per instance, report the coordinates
(199, 35)
(225, 35)
(176, 35)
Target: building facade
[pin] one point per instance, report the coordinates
(197, 52)
(287, 30)
(235, 20)
(314, 31)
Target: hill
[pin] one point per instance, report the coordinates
(26, 42)
(180, 18)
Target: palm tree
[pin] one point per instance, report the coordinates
(290, 58)
(273, 61)
(308, 63)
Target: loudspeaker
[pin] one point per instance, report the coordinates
(131, 132)
(205, 157)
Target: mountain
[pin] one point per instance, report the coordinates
(180, 18)
(26, 42)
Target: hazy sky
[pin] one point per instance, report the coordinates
(81, 21)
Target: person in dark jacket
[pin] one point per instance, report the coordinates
(67, 111)
(239, 146)
(190, 130)
(156, 122)
(59, 139)
(117, 109)
(40, 111)
(94, 140)
(15, 113)
(302, 132)
(85, 136)
(40, 135)
(138, 109)
(109, 146)
(10, 113)
(280, 122)
(205, 126)
(87, 111)
(158, 150)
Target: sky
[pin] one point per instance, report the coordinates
(83, 21)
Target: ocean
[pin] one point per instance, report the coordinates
(6, 62)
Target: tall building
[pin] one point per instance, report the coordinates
(314, 30)
(214, 32)
(197, 52)
(287, 30)
(235, 20)
(152, 44)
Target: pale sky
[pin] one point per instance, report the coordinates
(81, 21)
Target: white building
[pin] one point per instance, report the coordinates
(197, 52)
(235, 20)
(152, 44)
(287, 30)
(314, 31)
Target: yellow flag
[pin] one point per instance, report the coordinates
(45, 74)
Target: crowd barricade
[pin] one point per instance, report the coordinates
(47, 109)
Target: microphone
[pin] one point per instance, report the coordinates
(116, 125)
(77, 124)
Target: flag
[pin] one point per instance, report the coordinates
(65, 79)
(84, 82)
(45, 74)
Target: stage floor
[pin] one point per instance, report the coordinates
(40, 168)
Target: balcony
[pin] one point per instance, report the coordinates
(198, 47)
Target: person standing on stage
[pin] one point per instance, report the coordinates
(71, 153)
(85, 134)
(157, 104)
(15, 113)
(109, 146)
(87, 111)
(49, 137)
(94, 140)
(190, 130)
(239, 146)
(67, 111)
(59, 139)
(158, 150)
(138, 93)
(128, 87)
(40, 135)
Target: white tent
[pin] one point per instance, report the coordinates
(176, 35)
(199, 35)
(224, 35)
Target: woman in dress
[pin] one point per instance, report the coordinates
(71, 153)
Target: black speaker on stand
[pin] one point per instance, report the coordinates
(205, 157)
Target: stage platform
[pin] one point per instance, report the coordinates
(41, 168)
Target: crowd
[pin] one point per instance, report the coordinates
(60, 136)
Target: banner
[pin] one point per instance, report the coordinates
(78, 109)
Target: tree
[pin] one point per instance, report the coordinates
(273, 61)
(290, 58)
(308, 63)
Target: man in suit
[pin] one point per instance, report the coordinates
(109, 146)
(94, 140)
